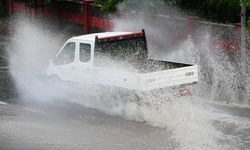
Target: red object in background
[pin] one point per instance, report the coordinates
(184, 92)
(82, 17)
(90, 16)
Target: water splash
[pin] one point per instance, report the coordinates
(190, 119)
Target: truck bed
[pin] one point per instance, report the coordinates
(138, 66)
(151, 65)
(147, 77)
(169, 78)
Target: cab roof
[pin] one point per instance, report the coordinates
(91, 37)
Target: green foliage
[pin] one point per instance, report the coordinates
(140, 5)
(46, 2)
(233, 3)
(248, 26)
(225, 11)
(244, 1)
(112, 5)
(107, 5)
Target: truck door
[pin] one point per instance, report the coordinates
(85, 65)
(65, 61)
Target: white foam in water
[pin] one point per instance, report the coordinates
(2, 103)
(191, 120)
(29, 53)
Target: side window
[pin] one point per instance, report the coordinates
(67, 55)
(85, 52)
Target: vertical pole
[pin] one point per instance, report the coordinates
(59, 12)
(4, 5)
(43, 6)
(33, 10)
(10, 8)
(243, 61)
(243, 29)
(85, 14)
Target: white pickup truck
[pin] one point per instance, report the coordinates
(119, 59)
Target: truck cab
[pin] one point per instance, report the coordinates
(74, 61)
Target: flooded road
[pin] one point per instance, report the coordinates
(70, 126)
